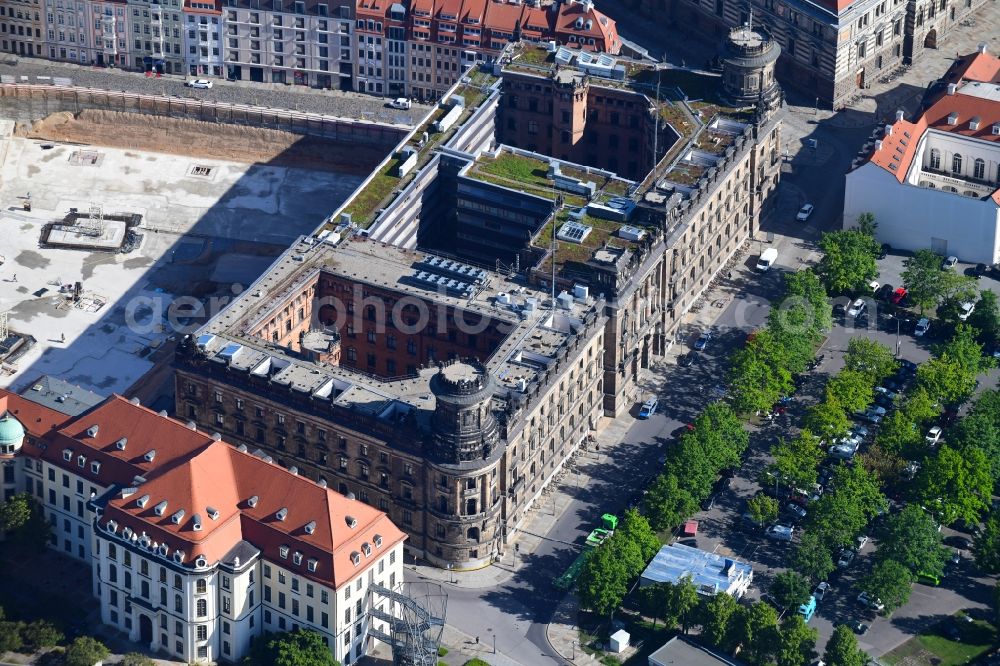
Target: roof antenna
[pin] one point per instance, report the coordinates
(750, 24)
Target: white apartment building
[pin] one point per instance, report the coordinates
(289, 41)
(933, 183)
(155, 36)
(202, 35)
(196, 547)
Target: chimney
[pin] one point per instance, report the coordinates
(899, 114)
(951, 88)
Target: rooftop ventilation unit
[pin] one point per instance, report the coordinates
(435, 264)
(440, 282)
(573, 232)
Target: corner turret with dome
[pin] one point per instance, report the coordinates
(11, 434)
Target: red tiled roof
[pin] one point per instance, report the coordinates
(427, 6)
(37, 420)
(535, 21)
(898, 149)
(602, 28)
(473, 9)
(225, 479)
(193, 471)
(982, 67)
(502, 16)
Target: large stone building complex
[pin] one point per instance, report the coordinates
(832, 49)
(932, 182)
(439, 351)
(197, 546)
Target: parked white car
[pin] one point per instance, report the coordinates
(401, 103)
(857, 307)
(203, 84)
(966, 309)
(805, 213)
(933, 435)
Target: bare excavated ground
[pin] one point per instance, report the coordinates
(193, 138)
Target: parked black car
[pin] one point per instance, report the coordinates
(884, 250)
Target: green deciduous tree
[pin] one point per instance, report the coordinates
(966, 350)
(635, 528)
(755, 383)
(926, 284)
(946, 380)
(15, 512)
(981, 428)
(667, 504)
(796, 459)
(919, 406)
(806, 285)
(986, 319)
(86, 651)
(716, 613)
(842, 649)
(682, 604)
(986, 545)
(40, 634)
(755, 629)
(838, 516)
(790, 589)
(889, 582)
(848, 262)
(911, 538)
(762, 509)
(956, 484)
(852, 389)
(297, 648)
(10, 635)
(654, 600)
(813, 557)
(870, 357)
(796, 642)
(603, 581)
(900, 436)
(827, 419)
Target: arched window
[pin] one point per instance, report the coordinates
(935, 158)
(473, 534)
(470, 507)
(956, 163)
(979, 169)
(202, 608)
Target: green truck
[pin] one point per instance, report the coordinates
(598, 536)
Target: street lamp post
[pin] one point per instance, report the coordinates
(897, 335)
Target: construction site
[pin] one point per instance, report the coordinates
(121, 231)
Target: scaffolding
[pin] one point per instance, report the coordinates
(93, 224)
(414, 622)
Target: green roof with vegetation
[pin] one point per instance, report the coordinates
(385, 185)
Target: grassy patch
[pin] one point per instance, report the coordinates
(518, 169)
(539, 57)
(368, 200)
(935, 647)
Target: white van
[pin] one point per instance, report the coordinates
(767, 259)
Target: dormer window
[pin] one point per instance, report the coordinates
(996, 129)
(310, 527)
(252, 502)
(67, 455)
(177, 517)
(356, 558)
(213, 513)
(196, 522)
(351, 522)
(974, 123)
(366, 548)
(283, 552)
(120, 444)
(149, 455)
(311, 564)
(953, 118)
(282, 513)
(160, 508)
(81, 461)
(142, 501)
(296, 558)
(92, 430)
(378, 540)
(95, 467)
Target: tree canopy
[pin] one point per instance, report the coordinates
(848, 262)
(790, 589)
(926, 284)
(842, 649)
(986, 319)
(813, 557)
(986, 545)
(796, 459)
(870, 357)
(86, 651)
(956, 484)
(890, 582)
(911, 538)
(297, 648)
